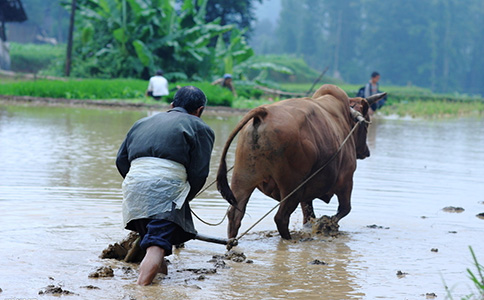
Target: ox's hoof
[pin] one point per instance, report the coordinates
(232, 243)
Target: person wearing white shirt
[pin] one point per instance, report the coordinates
(158, 86)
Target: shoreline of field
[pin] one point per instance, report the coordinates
(113, 103)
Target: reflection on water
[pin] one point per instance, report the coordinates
(61, 205)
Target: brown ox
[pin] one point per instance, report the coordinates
(284, 144)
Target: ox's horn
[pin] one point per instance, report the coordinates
(373, 98)
(357, 116)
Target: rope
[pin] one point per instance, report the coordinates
(305, 181)
(199, 193)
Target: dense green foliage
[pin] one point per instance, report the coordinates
(133, 38)
(32, 58)
(436, 44)
(239, 12)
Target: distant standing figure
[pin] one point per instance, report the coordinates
(226, 82)
(158, 86)
(371, 88)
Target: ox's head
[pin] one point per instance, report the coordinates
(362, 106)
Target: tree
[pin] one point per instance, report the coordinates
(132, 38)
(237, 12)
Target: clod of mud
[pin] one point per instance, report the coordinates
(1, 290)
(203, 271)
(480, 216)
(90, 287)
(430, 295)
(235, 256)
(453, 209)
(128, 270)
(54, 290)
(102, 272)
(401, 274)
(318, 262)
(201, 277)
(374, 226)
(249, 261)
(452, 231)
(434, 250)
(325, 225)
(127, 250)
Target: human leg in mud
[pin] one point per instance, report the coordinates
(157, 238)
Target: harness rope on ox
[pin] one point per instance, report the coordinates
(357, 116)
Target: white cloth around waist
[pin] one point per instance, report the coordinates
(152, 186)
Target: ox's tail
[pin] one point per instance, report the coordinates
(222, 182)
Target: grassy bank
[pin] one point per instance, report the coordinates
(132, 90)
(402, 101)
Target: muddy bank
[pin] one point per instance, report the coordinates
(113, 103)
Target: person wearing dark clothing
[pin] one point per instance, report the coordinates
(164, 161)
(226, 82)
(371, 88)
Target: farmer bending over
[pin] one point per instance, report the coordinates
(164, 161)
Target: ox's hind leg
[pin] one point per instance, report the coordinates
(308, 211)
(344, 202)
(236, 213)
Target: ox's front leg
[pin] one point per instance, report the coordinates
(283, 215)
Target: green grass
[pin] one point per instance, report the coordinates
(477, 279)
(94, 89)
(402, 101)
(31, 58)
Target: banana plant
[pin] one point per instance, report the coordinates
(132, 38)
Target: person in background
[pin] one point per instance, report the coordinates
(164, 161)
(371, 88)
(158, 86)
(226, 82)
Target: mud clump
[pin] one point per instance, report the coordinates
(318, 262)
(128, 249)
(102, 272)
(325, 225)
(480, 216)
(54, 290)
(201, 271)
(235, 256)
(374, 226)
(434, 250)
(430, 295)
(401, 274)
(90, 287)
(453, 209)
(218, 262)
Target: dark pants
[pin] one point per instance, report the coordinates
(161, 233)
(157, 98)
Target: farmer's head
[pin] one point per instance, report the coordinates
(192, 99)
(375, 77)
(159, 73)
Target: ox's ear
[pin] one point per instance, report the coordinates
(360, 105)
(365, 106)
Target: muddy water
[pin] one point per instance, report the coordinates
(61, 205)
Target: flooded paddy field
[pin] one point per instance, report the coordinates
(60, 201)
